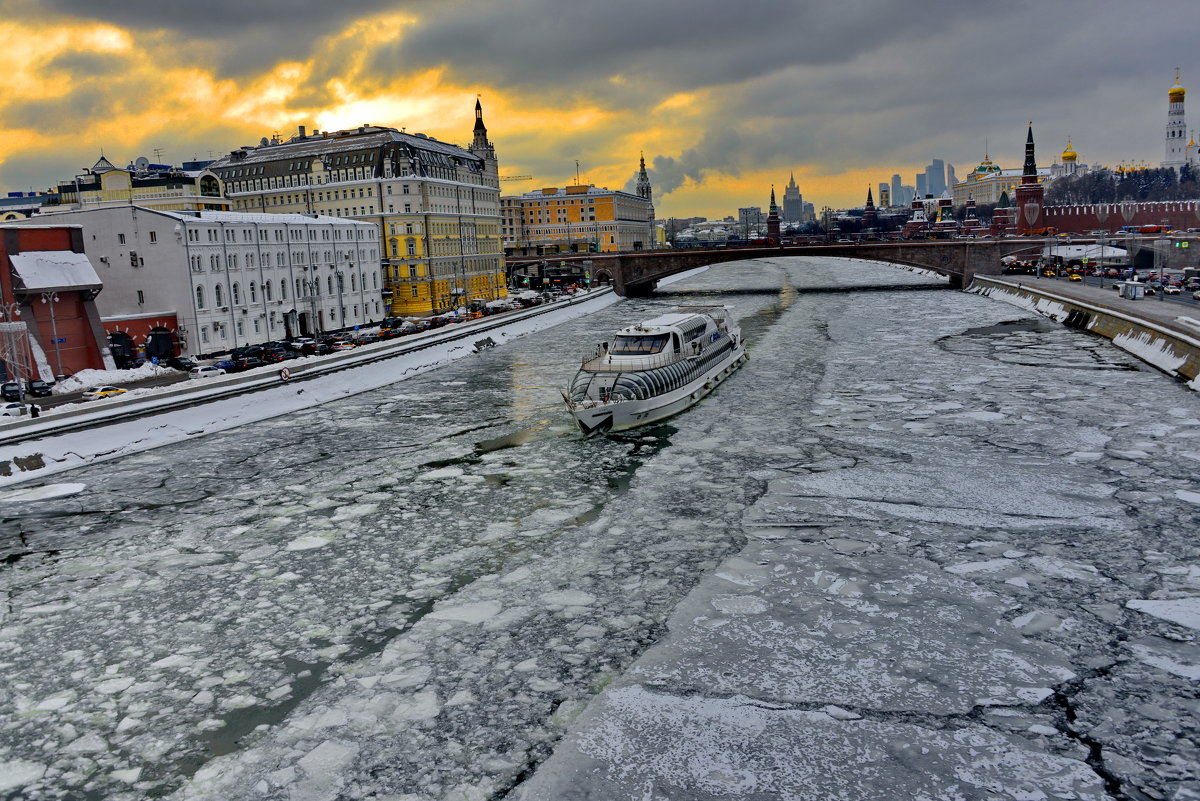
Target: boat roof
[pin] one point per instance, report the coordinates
(657, 325)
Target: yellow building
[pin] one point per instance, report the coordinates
(152, 186)
(581, 218)
(584, 218)
(987, 182)
(435, 205)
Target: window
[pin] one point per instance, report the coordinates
(414, 290)
(412, 246)
(237, 295)
(203, 333)
(266, 290)
(120, 239)
(153, 237)
(141, 297)
(241, 328)
(253, 293)
(199, 297)
(219, 295)
(283, 290)
(330, 285)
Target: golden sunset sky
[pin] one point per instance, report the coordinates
(725, 99)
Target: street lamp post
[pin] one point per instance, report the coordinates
(12, 347)
(51, 298)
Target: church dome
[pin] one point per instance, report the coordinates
(1177, 93)
(1069, 154)
(986, 166)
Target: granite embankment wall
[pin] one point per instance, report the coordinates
(1170, 343)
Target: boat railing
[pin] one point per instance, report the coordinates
(601, 361)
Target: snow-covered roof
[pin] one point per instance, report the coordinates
(46, 270)
(259, 217)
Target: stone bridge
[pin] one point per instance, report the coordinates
(638, 273)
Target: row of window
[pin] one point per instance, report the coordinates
(304, 288)
(220, 330)
(295, 234)
(299, 257)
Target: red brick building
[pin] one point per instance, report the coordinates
(49, 325)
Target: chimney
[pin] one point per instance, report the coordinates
(301, 131)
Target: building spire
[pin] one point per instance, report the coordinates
(1030, 169)
(643, 180)
(479, 143)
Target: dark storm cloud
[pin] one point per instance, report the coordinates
(236, 36)
(579, 46)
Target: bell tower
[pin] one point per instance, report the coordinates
(1176, 134)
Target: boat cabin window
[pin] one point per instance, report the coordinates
(639, 346)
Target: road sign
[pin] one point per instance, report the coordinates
(285, 374)
(60, 339)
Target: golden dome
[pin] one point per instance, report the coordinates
(1176, 94)
(1069, 154)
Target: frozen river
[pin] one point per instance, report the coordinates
(921, 546)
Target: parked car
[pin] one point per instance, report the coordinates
(40, 389)
(97, 393)
(298, 343)
(1196, 296)
(281, 355)
(316, 348)
(181, 363)
(13, 410)
(247, 363)
(205, 371)
(10, 391)
(246, 351)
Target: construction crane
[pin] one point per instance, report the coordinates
(516, 177)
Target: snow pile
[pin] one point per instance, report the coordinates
(86, 379)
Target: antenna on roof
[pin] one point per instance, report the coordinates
(577, 172)
(158, 155)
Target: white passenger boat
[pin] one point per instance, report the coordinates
(655, 369)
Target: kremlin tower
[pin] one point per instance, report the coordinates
(971, 224)
(773, 220)
(870, 218)
(1176, 155)
(918, 225)
(1030, 193)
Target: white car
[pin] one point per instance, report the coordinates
(12, 410)
(205, 371)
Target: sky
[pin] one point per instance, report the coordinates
(723, 99)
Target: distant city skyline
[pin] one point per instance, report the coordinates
(724, 101)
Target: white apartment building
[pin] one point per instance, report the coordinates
(205, 282)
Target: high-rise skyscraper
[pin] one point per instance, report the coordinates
(951, 178)
(922, 185)
(897, 191)
(935, 178)
(793, 202)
